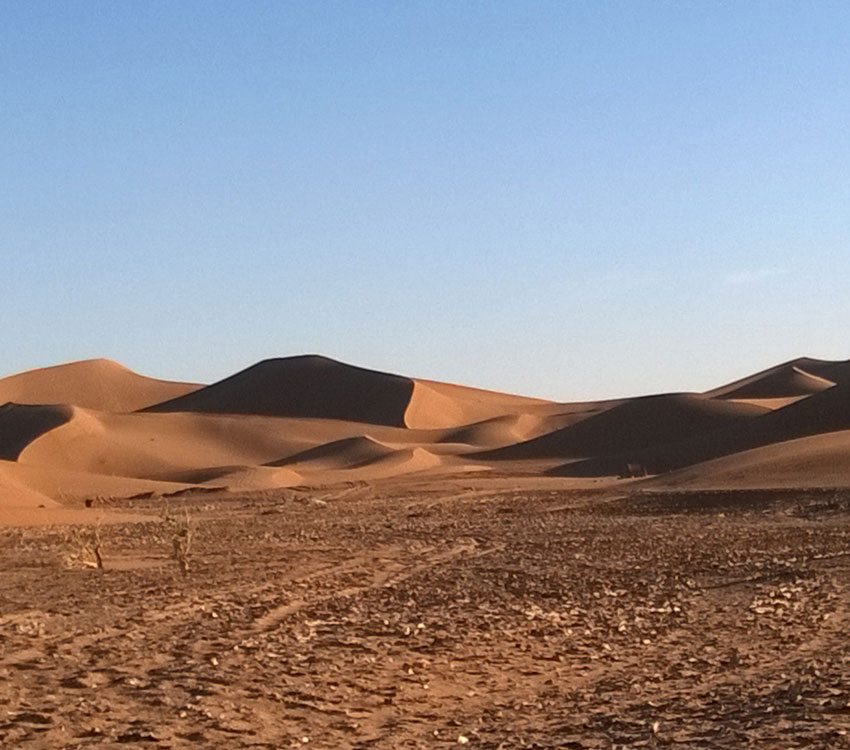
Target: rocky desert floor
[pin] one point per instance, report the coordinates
(486, 613)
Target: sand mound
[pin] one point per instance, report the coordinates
(320, 388)
(21, 424)
(436, 405)
(780, 382)
(397, 463)
(815, 461)
(242, 478)
(824, 412)
(161, 446)
(339, 454)
(390, 464)
(798, 377)
(497, 431)
(651, 420)
(307, 386)
(67, 485)
(16, 494)
(95, 384)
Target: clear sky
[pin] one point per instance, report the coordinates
(564, 199)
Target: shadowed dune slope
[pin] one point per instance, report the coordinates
(346, 453)
(785, 381)
(243, 478)
(95, 384)
(321, 388)
(650, 420)
(346, 465)
(798, 377)
(815, 461)
(306, 386)
(20, 424)
(824, 412)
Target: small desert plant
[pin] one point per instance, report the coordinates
(84, 547)
(181, 531)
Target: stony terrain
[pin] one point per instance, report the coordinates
(467, 613)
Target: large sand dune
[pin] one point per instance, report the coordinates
(310, 386)
(21, 424)
(817, 460)
(651, 420)
(823, 412)
(95, 428)
(437, 405)
(95, 384)
(798, 377)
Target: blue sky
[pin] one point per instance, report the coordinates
(565, 199)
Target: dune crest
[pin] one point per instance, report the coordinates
(649, 420)
(310, 420)
(436, 405)
(93, 383)
(306, 386)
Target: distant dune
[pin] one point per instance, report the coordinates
(94, 383)
(317, 387)
(308, 386)
(823, 412)
(339, 454)
(798, 377)
(817, 460)
(440, 405)
(95, 428)
(635, 424)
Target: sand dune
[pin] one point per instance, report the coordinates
(15, 493)
(309, 386)
(67, 485)
(163, 445)
(393, 464)
(824, 412)
(320, 388)
(242, 478)
(797, 377)
(438, 405)
(815, 461)
(780, 382)
(21, 424)
(314, 421)
(339, 454)
(95, 384)
(635, 424)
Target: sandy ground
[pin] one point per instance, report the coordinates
(491, 613)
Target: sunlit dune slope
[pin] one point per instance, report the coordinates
(160, 445)
(15, 493)
(95, 384)
(650, 420)
(63, 484)
(440, 405)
